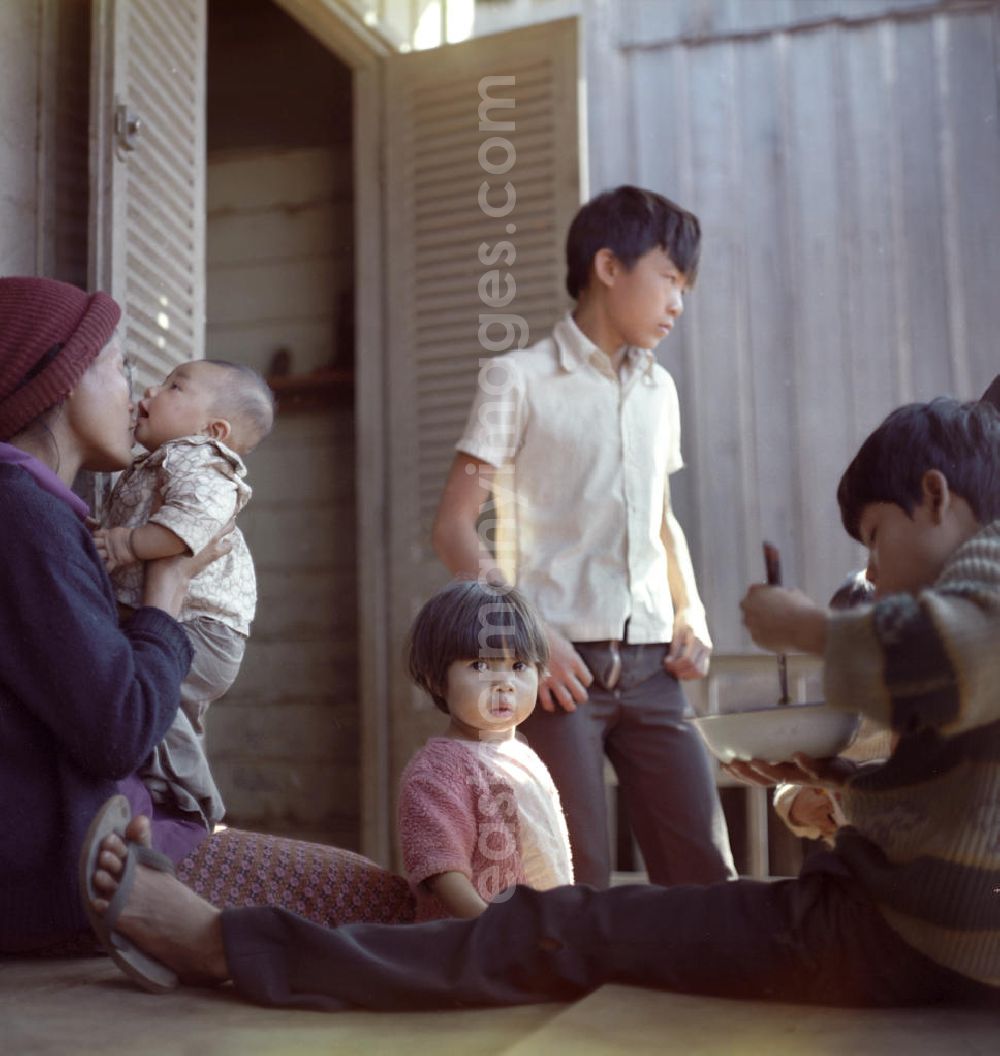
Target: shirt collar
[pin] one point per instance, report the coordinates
(160, 454)
(44, 478)
(573, 345)
(575, 349)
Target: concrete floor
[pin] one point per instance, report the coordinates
(83, 1006)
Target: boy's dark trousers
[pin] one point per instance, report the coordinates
(816, 939)
(637, 715)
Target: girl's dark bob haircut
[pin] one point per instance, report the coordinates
(469, 619)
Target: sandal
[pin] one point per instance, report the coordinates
(114, 816)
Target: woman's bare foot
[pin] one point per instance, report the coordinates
(165, 919)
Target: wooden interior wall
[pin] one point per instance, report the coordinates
(284, 743)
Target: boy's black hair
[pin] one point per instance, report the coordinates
(992, 393)
(469, 619)
(961, 440)
(630, 221)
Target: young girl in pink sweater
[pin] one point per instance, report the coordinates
(478, 812)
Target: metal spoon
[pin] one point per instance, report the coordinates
(772, 563)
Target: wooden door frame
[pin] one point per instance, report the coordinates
(371, 463)
(363, 48)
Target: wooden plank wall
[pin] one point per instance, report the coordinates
(847, 174)
(284, 741)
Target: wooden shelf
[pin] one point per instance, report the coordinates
(318, 388)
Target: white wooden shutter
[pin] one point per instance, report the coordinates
(148, 207)
(435, 227)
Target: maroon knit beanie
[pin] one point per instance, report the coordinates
(50, 332)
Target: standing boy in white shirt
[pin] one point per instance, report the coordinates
(570, 444)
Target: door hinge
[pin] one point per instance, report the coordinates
(128, 125)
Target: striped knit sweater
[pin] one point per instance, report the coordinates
(924, 837)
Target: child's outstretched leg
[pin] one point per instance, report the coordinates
(731, 939)
(812, 940)
(816, 939)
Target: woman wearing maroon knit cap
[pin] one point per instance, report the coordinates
(83, 701)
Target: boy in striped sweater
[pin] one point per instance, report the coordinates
(923, 839)
(904, 910)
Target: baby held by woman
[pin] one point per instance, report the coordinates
(197, 426)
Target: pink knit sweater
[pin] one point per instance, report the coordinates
(457, 815)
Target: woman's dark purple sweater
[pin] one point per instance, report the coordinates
(82, 703)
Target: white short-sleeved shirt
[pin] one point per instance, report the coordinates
(582, 455)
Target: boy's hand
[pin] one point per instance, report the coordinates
(566, 680)
(800, 770)
(114, 547)
(688, 657)
(783, 620)
(812, 808)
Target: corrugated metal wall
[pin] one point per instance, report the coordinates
(847, 174)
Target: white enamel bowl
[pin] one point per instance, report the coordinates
(776, 733)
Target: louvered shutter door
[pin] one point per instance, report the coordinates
(148, 219)
(435, 227)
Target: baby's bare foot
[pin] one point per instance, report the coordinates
(165, 919)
